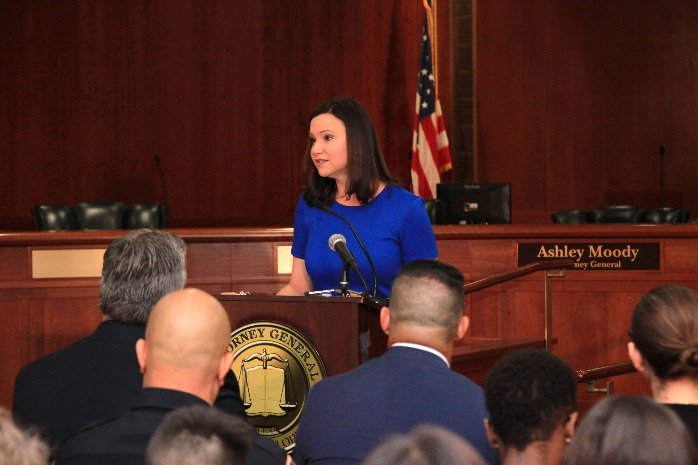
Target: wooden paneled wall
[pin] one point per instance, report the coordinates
(574, 99)
(91, 90)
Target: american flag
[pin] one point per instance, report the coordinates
(430, 153)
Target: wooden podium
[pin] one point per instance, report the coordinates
(331, 324)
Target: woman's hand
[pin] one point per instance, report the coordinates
(300, 282)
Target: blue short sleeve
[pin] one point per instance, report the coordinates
(393, 228)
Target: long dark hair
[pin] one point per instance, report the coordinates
(366, 167)
(664, 329)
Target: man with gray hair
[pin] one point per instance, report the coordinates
(98, 377)
(346, 416)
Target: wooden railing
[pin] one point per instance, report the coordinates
(524, 270)
(592, 375)
(493, 280)
(517, 272)
(589, 376)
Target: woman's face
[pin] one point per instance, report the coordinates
(328, 151)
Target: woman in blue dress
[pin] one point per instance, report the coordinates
(348, 180)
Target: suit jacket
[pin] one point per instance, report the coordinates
(124, 440)
(94, 379)
(346, 416)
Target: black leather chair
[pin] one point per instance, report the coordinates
(100, 215)
(435, 210)
(665, 215)
(145, 215)
(617, 214)
(54, 217)
(570, 216)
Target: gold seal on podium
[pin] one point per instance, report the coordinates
(275, 366)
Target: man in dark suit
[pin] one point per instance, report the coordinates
(184, 361)
(346, 416)
(98, 377)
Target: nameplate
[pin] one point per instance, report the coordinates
(67, 263)
(597, 256)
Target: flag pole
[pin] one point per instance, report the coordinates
(435, 46)
(432, 26)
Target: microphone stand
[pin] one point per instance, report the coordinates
(661, 180)
(344, 280)
(343, 288)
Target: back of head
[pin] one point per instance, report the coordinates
(18, 447)
(366, 165)
(529, 393)
(199, 435)
(631, 430)
(428, 294)
(425, 445)
(187, 334)
(664, 329)
(139, 269)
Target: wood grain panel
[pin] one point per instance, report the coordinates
(14, 264)
(510, 98)
(491, 257)
(621, 306)
(680, 257)
(575, 98)
(14, 346)
(58, 322)
(580, 341)
(220, 90)
(526, 317)
(487, 309)
(253, 259)
(205, 261)
(457, 254)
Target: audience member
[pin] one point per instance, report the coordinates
(664, 348)
(98, 377)
(18, 447)
(347, 415)
(199, 435)
(627, 430)
(530, 396)
(184, 360)
(425, 445)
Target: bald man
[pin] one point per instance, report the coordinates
(346, 416)
(184, 361)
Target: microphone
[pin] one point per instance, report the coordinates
(661, 178)
(338, 243)
(319, 205)
(163, 181)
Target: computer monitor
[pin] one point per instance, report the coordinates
(486, 203)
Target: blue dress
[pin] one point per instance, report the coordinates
(394, 227)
